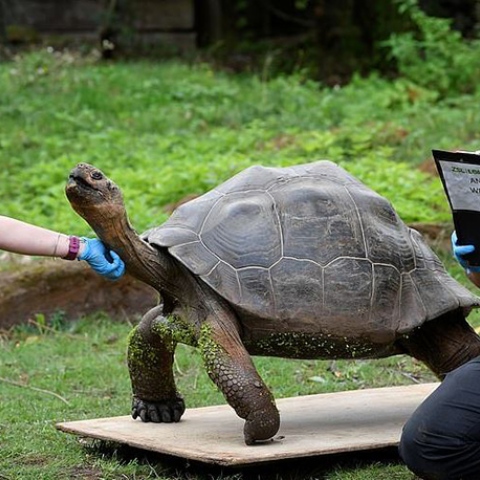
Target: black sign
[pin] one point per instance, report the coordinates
(460, 174)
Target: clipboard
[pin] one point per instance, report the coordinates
(460, 175)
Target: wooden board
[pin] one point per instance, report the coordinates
(311, 425)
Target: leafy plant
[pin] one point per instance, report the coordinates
(163, 132)
(435, 56)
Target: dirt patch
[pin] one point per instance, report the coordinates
(49, 286)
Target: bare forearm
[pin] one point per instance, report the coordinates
(27, 239)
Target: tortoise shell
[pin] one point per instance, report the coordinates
(311, 245)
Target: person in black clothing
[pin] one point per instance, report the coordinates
(441, 440)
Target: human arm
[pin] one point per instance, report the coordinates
(21, 237)
(473, 271)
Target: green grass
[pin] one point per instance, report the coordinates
(79, 372)
(163, 131)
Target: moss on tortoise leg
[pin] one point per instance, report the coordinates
(235, 375)
(150, 363)
(175, 328)
(141, 352)
(210, 350)
(151, 349)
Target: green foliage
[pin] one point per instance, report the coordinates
(435, 56)
(165, 131)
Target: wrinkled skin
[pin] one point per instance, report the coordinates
(192, 313)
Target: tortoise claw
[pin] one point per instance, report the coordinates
(166, 411)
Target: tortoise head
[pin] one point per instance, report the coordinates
(94, 196)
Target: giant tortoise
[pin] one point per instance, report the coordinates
(299, 262)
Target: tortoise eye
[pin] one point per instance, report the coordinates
(97, 175)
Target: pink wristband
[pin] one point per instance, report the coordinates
(73, 248)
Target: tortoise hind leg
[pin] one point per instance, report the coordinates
(443, 344)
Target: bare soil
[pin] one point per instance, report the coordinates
(50, 286)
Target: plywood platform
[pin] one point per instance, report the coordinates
(311, 425)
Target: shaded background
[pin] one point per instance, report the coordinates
(329, 39)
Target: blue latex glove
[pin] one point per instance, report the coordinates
(96, 254)
(459, 251)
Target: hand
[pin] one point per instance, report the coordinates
(459, 251)
(95, 254)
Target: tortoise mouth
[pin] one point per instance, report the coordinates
(79, 182)
(87, 187)
(80, 192)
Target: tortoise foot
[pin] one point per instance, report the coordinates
(166, 411)
(260, 427)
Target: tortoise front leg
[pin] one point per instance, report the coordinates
(230, 367)
(150, 362)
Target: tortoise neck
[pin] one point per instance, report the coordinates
(151, 265)
(155, 267)
(142, 261)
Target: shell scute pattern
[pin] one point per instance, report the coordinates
(308, 244)
(312, 212)
(224, 231)
(307, 285)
